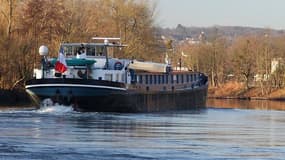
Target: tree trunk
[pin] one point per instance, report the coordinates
(10, 19)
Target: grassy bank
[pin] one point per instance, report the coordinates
(235, 90)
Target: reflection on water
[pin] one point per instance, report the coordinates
(59, 133)
(246, 104)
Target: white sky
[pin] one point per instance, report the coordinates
(204, 13)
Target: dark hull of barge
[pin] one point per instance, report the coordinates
(104, 96)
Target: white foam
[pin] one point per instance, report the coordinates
(55, 109)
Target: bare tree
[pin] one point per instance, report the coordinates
(244, 59)
(7, 10)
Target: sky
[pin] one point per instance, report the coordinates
(205, 13)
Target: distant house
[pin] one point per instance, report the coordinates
(260, 77)
(275, 63)
(192, 41)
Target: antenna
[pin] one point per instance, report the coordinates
(106, 39)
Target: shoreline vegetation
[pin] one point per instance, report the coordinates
(235, 90)
(16, 97)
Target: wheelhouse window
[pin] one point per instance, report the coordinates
(73, 49)
(68, 50)
(100, 51)
(90, 50)
(110, 51)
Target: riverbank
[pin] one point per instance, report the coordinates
(14, 98)
(235, 90)
(231, 90)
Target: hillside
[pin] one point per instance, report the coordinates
(230, 32)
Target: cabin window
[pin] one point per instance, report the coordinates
(162, 79)
(108, 77)
(150, 79)
(166, 79)
(159, 79)
(154, 79)
(187, 78)
(191, 77)
(177, 77)
(137, 79)
(140, 79)
(134, 78)
(123, 77)
(147, 88)
(182, 78)
(146, 79)
(117, 77)
(172, 79)
(195, 77)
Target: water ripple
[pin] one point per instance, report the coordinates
(58, 132)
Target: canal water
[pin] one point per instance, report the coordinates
(218, 132)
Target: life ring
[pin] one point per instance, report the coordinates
(81, 74)
(118, 65)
